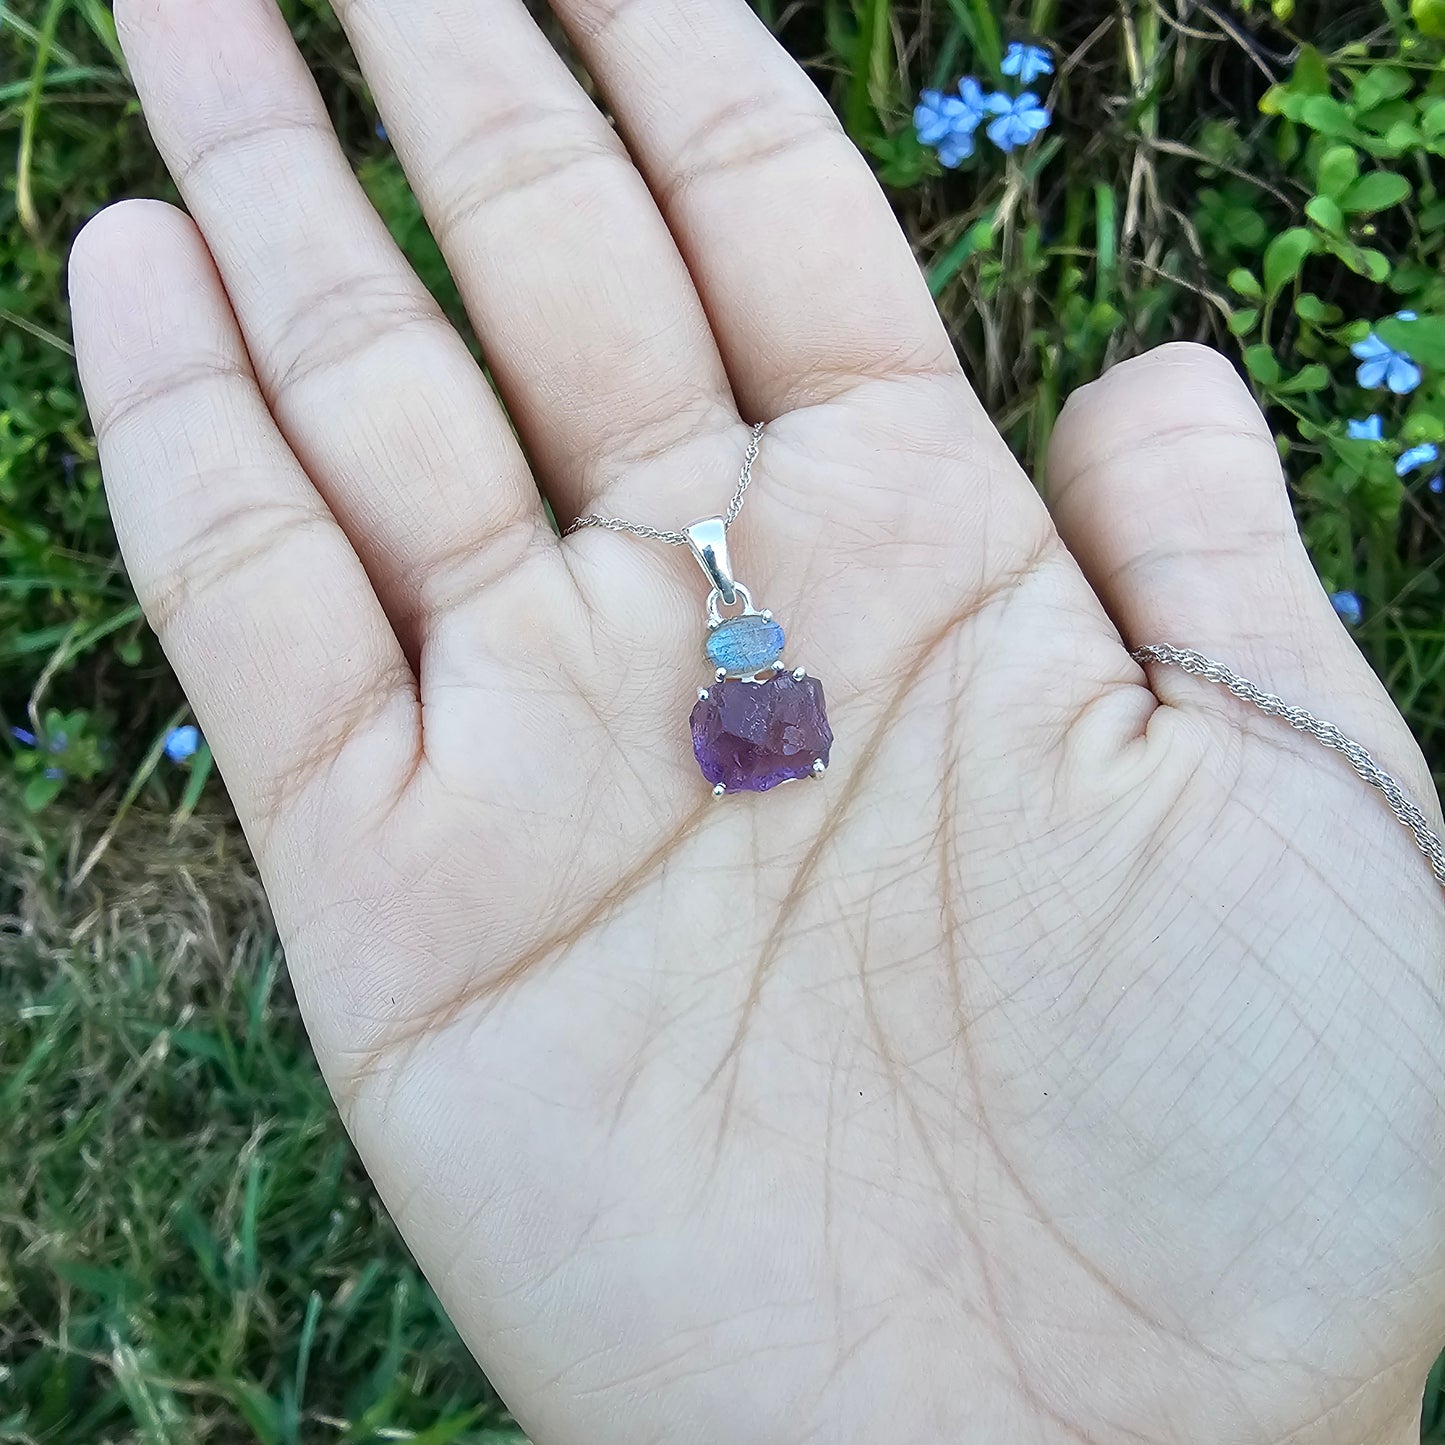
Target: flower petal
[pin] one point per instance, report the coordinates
(1000, 132)
(1402, 375)
(1372, 372)
(1414, 458)
(1038, 62)
(931, 128)
(1370, 347)
(956, 149)
(972, 95)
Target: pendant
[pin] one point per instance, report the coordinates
(758, 724)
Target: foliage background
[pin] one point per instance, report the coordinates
(188, 1251)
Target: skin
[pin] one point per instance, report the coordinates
(1064, 1066)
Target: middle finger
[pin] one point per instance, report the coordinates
(585, 309)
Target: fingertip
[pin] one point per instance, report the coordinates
(140, 278)
(1183, 398)
(115, 239)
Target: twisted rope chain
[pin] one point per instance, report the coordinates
(1324, 733)
(1194, 663)
(679, 539)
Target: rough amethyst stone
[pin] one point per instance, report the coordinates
(751, 736)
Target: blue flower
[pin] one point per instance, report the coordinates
(182, 742)
(1349, 606)
(1382, 365)
(1371, 429)
(1437, 485)
(26, 739)
(955, 148)
(937, 116)
(1407, 316)
(1019, 120)
(947, 122)
(1417, 457)
(1027, 62)
(975, 99)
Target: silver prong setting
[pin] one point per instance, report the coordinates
(767, 614)
(819, 767)
(799, 673)
(718, 791)
(720, 675)
(702, 694)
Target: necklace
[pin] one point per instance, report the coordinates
(757, 724)
(1326, 734)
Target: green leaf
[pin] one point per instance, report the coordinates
(1306, 381)
(1429, 15)
(1399, 140)
(1377, 191)
(1262, 364)
(978, 238)
(1424, 339)
(1376, 265)
(98, 16)
(1337, 169)
(1242, 322)
(1326, 214)
(979, 22)
(1244, 282)
(1313, 311)
(261, 1413)
(1284, 258)
(200, 773)
(1363, 261)
(41, 791)
(1311, 74)
(1379, 84)
(446, 1431)
(1328, 116)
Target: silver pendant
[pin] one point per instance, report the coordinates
(758, 724)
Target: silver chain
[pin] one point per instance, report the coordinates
(1194, 663)
(679, 539)
(1324, 733)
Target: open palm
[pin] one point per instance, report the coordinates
(1063, 1066)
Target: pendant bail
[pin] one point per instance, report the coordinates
(709, 542)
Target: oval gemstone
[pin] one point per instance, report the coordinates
(745, 645)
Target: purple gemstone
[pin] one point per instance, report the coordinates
(751, 736)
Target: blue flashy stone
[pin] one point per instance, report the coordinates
(745, 645)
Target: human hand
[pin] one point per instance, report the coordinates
(1064, 1066)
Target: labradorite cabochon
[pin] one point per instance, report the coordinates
(745, 645)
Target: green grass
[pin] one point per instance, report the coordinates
(188, 1250)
